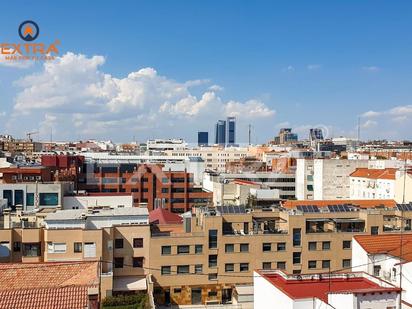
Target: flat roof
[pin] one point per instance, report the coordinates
(320, 288)
(324, 203)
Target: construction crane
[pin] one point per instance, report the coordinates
(29, 134)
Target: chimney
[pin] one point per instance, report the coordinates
(93, 298)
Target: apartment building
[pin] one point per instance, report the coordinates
(368, 183)
(217, 249)
(21, 146)
(304, 179)
(118, 238)
(331, 178)
(215, 158)
(150, 185)
(283, 182)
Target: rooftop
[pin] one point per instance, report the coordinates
(387, 173)
(47, 285)
(299, 287)
(387, 244)
(324, 203)
(163, 216)
(77, 214)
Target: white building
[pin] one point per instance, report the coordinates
(215, 158)
(379, 255)
(32, 195)
(331, 178)
(96, 200)
(372, 183)
(274, 289)
(304, 179)
(161, 145)
(403, 187)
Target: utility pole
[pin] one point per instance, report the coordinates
(359, 130)
(249, 132)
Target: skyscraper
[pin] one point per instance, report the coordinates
(315, 134)
(231, 131)
(202, 138)
(220, 133)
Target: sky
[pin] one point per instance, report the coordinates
(134, 70)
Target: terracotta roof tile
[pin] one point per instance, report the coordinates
(163, 216)
(387, 173)
(387, 244)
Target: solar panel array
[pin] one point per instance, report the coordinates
(307, 208)
(340, 208)
(404, 207)
(231, 209)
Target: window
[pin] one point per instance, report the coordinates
(137, 242)
(4, 248)
(326, 264)
(312, 245)
(296, 257)
(374, 230)
(166, 270)
(165, 190)
(244, 247)
(118, 262)
(49, 199)
(56, 247)
(266, 265)
(297, 271)
(183, 269)
(198, 268)
(8, 195)
(311, 264)
(198, 249)
(16, 246)
(325, 245)
(346, 244)
(118, 243)
(30, 199)
(229, 267)
(244, 266)
(183, 249)
(266, 247)
(281, 246)
(296, 237)
(212, 294)
(166, 250)
(346, 263)
(229, 248)
(138, 261)
(212, 276)
(18, 197)
(376, 270)
(212, 239)
(77, 247)
(89, 250)
(212, 260)
(177, 290)
(281, 265)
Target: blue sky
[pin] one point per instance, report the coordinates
(291, 63)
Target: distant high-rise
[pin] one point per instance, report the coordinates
(202, 138)
(220, 133)
(315, 134)
(286, 136)
(231, 131)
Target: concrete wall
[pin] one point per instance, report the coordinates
(266, 295)
(81, 202)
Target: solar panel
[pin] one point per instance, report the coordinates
(307, 208)
(404, 207)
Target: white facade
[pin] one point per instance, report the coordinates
(304, 179)
(368, 188)
(215, 158)
(87, 201)
(331, 178)
(268, 295)
(383, 266)
(165, 144)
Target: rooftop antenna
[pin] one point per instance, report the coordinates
(359, 129)
(249, 132)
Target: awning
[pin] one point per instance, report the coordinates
(129, 284)
(319, 220)
(244, 289)
(349, 220)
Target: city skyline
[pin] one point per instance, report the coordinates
(270, 65)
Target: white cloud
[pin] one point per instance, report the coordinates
(401, 110)
(216, 88)
(289, 68)
(369, 124)
(75, 95)
(372, 69)
(370, 114)
(313, 67)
